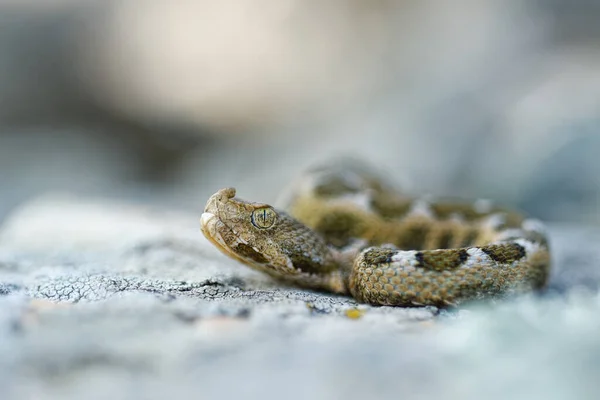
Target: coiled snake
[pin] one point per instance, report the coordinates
(346, 231)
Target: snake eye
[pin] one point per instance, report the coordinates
(264, 217)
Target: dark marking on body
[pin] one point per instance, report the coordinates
(505, 253)
(470, 237)
(340, 227)
(248, 252)
(390, 206)
(334, 185)
(307, 264)
(441, 260)
(414, 235)
(379, 255)
(445, 239)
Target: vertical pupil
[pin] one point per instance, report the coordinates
(263, 219)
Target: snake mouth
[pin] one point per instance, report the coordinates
(209, 224)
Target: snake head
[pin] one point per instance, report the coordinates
(235, 226)
(265, 239)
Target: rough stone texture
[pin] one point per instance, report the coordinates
(104, 300)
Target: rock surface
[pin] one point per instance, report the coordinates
(106, 300)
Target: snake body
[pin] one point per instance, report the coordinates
(346, 231)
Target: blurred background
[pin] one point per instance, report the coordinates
(162, 102)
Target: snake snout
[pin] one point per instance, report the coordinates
(218, 199)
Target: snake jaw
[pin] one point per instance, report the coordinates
(210, 218)
(215, 229)
(212, 227)
(208, 225)
(208, 222)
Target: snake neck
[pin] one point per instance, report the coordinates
(332, 276)
(336, 281)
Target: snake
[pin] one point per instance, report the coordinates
(346, 230)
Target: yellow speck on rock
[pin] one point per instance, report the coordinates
(354, 313)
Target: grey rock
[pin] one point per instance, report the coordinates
(105, 300)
